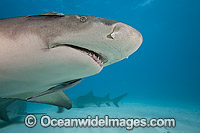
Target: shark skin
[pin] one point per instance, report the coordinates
(89, 100)
(40, 52)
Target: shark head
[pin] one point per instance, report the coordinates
(43, 51)
(98, 41)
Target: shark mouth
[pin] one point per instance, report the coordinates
(97, 57)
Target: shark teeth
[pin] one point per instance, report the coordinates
(95, 58)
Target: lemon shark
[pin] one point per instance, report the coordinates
(41, 55)
(89, 100)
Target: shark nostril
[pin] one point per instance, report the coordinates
(110, 36)
(115, 30)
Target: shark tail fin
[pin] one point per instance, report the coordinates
(117, 99)
(58, 98)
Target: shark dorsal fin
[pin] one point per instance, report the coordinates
(107, 96)
(48, 14)
(90, 94)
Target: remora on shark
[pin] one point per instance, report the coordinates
(41, 55)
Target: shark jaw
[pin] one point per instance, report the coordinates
(100, 59)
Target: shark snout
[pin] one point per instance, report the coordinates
(115, 31)
(126, 39)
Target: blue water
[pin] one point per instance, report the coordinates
(164, 70)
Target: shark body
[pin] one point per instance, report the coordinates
(41, 55)
(90, 100)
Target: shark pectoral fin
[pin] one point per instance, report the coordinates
(108, 104)
(59, 99)
(60, 87)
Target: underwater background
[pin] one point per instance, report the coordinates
(164, 71)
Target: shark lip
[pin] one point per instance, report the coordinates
(97, 57)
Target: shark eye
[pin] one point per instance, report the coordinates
(83, 19)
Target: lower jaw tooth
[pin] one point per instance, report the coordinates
(97, 59)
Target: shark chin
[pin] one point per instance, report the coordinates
(42, 55)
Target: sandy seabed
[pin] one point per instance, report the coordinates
(187, 119)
